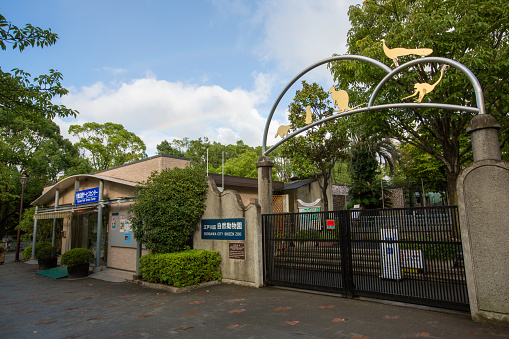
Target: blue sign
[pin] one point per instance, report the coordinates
(223, 229)
(86, 196)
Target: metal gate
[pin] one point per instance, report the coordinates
(406, 254)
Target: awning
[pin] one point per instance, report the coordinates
(53, 215)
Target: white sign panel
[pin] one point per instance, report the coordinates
(389, 254)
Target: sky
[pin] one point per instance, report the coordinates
(168, 69)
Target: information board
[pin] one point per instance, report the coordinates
(121, 231)
(86, 196)
(223, 229)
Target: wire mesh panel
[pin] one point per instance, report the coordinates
(408, 254)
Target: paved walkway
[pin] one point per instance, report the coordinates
(34, 306)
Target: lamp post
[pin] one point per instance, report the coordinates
(23, 181)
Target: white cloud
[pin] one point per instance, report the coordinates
(300, 33)
(157, 109)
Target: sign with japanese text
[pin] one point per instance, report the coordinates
(223, 229)
(87, 196)
(237, 250)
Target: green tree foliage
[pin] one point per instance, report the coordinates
(315, 153)
(471, 32)
(107, 145)
(368, 153)
(29, 141)
(44, 227)
(239, 159)
(167, 207)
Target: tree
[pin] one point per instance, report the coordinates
(470, 32)
(167, 206)
(367, 154)
(166, 148)
(29, 141)
(315, 153)
(107, 145)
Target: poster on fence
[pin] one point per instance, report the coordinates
(389, 254)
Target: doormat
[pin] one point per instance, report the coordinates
(54, 273)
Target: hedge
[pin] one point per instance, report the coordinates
(181, 269)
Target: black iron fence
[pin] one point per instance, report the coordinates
(408, 254)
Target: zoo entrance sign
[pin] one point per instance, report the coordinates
(223, 229)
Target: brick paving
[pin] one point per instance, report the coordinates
(34, 306)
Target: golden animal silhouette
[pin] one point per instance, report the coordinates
(309, 115)
(283, 131)
(341, 100)
(395, 53)
(424, 88)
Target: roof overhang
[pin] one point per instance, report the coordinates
(62, 185)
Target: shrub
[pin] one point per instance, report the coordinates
(46, 253)
(27, 252)
(167, 207)
(434, 247)
(77, 257)
(181, 269)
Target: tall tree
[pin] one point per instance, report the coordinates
(29, 141)
(314, 153)
(108, 145)
(471, 32)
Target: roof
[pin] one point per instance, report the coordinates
(49, 195)
(144, 159)
(296, 184)
(230, 180)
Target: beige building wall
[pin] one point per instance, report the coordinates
(139, 171)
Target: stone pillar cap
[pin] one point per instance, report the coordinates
(482, 121)
(264, 161)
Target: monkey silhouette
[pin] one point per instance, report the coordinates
(423, 88)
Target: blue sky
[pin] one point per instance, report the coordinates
(171, 69)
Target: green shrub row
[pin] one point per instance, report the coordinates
(27, 252)
(181, 269)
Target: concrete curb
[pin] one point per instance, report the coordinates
(173, 289)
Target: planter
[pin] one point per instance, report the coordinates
(80, 271)
(2, 258)
(46, 264)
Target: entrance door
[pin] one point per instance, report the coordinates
(84, 233)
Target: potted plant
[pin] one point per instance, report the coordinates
(78, 261)
(46, 257)
(2, 255)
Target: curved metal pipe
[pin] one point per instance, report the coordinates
(313, 66)
(374, 108)
(479, 97)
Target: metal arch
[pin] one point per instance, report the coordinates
(479, 97)
(373, 108)
(313, 66)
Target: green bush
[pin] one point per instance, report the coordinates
(27, 252)
(182, 268)
(167, 207)
(46, 253)
(77, 257)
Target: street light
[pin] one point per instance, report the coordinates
(23, 180)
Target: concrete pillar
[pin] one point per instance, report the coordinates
(264, 166)
(34, 237)
(99, 227)
(54, 234)
(483, 130)
(483, 197)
